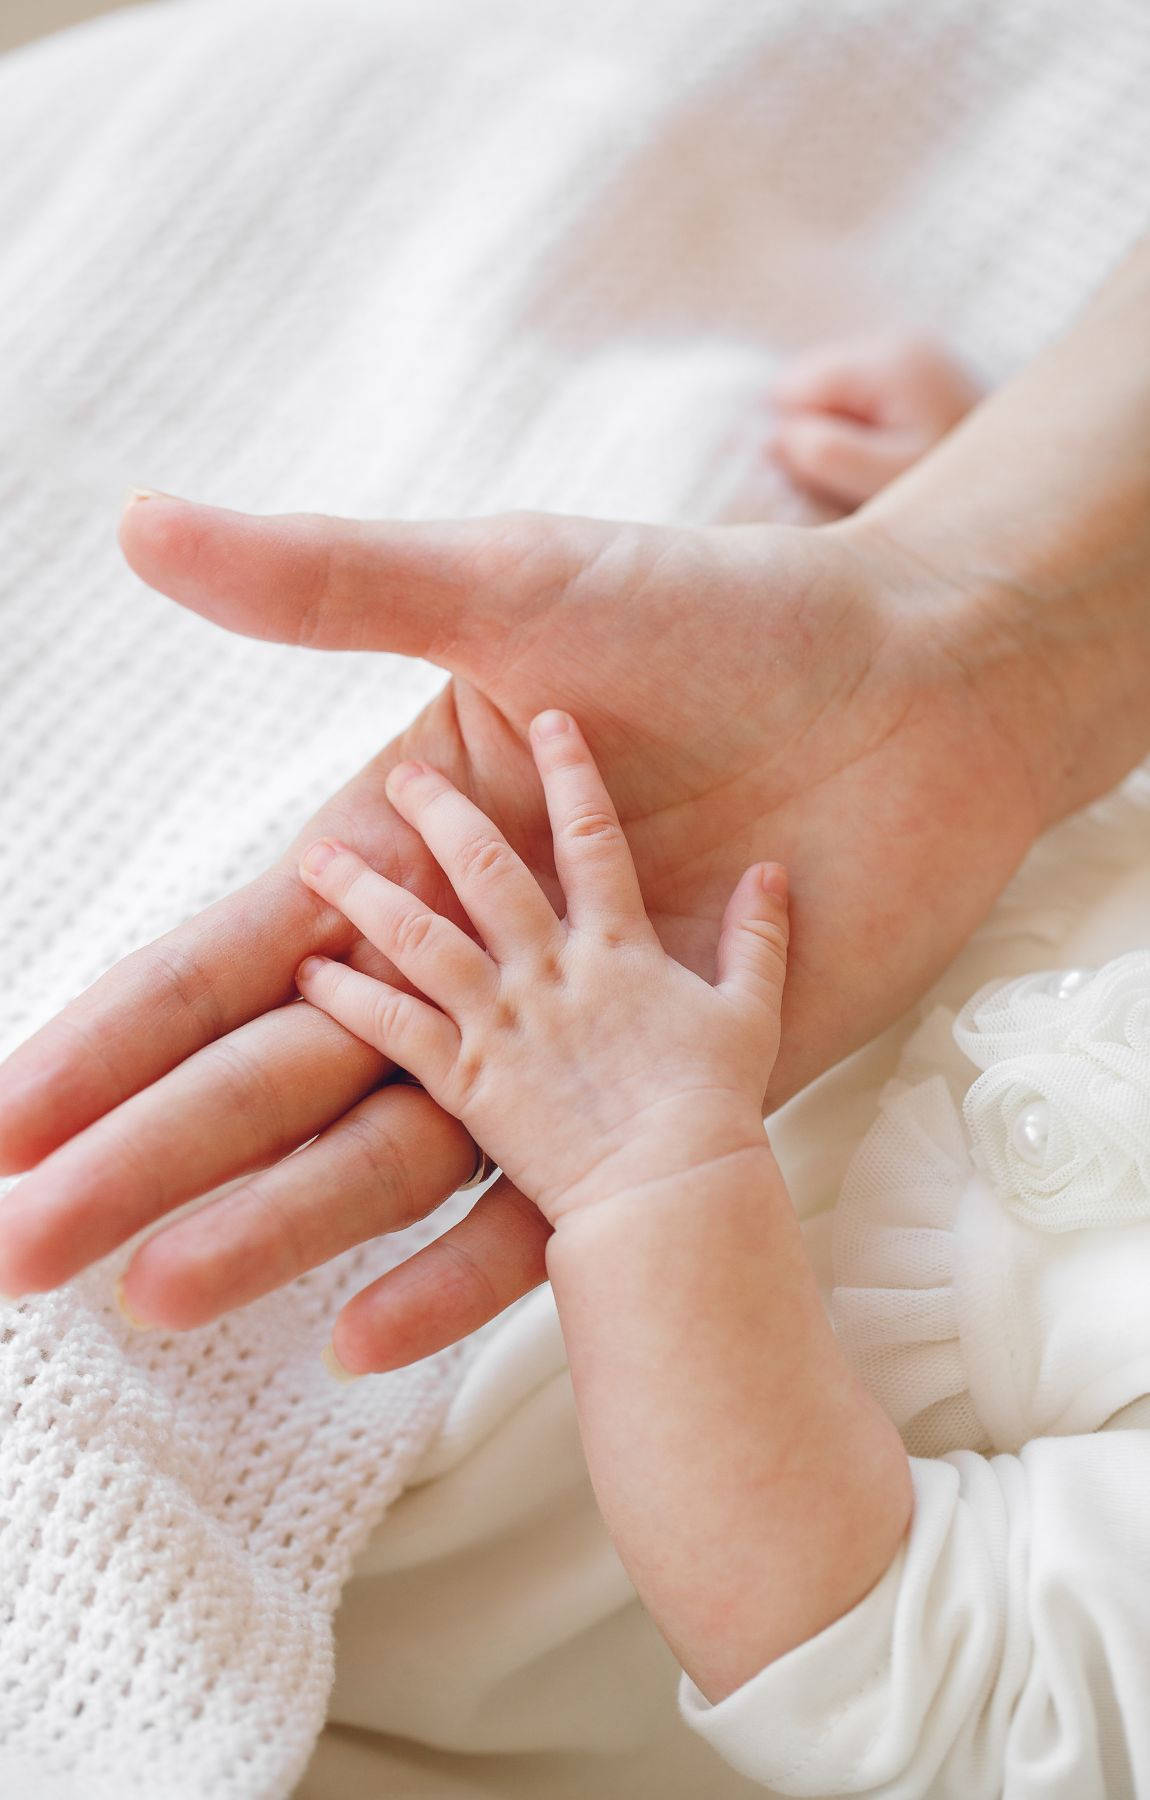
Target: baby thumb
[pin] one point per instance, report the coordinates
(752, 955)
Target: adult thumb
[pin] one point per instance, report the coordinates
(434, 589)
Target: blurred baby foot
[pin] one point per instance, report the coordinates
(851, 417)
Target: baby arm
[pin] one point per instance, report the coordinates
(1003, 1654)
(754, 1491)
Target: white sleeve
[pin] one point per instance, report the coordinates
(1006, 1651)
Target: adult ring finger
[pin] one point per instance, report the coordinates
(485, 1166)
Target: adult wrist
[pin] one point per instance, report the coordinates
(1033, 517)
(1047, 626)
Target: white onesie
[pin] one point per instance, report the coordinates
(991, 1255)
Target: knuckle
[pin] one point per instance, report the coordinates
(257, 1093)
(380, 1155)
(482, 858)
(324, 578)
(591, 824)
(387, 1017)
(190, 984)
(475, 1293)
(769, 938)
(316, 584)
(281, 1227)
(411, 931)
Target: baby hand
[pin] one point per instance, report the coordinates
(584, 1060)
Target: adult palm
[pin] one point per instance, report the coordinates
(749, 692)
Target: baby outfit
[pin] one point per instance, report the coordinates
(991, 1258)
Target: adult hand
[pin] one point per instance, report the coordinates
(749, 693)
(893, 706)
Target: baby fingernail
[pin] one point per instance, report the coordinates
(311, 965)
(773, 880)
(126, 1311)
(318, 857)
(403, 773)
(334, 1367)
(550, 724)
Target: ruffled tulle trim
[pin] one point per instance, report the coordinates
(894, 1245)
(1052, 1136)
(893, 1251)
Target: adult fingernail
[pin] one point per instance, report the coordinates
(550, 724)
(125, 1309)
(311, 965)
(334, 1367)
(317, 858)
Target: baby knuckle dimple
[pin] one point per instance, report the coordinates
(549, 968)
(410, 932)
(386, 1017)
(480, 858)
(591, 825)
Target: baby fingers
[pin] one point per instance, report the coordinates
(592, 857)
(752, 957)
(413, 1034)
(495, 887)
(436, 957)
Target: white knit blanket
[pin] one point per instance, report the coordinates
(389, 257)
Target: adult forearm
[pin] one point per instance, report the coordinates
(1037, 509)
(753, 1489)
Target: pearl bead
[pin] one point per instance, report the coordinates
(1030, 1131)
(1070, 983)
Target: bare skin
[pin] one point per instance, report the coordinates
(893, 705)
(852, 417)
(624, 1095)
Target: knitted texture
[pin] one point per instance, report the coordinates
(405, 259)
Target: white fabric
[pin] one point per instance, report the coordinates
(1061, 1121)
(972, 1314)
(1003, 1653)
(408, 259)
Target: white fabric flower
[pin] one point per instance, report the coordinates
(1119, 1005)
(1059, 1009)
(1060, 1117)
(1064, 1137)
(1018, 1018)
